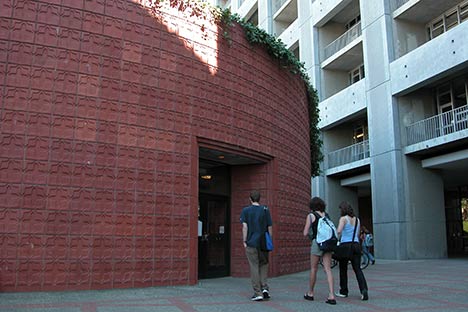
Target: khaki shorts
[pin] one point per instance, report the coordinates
(315, 250)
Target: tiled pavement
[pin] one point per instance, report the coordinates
(394, 286)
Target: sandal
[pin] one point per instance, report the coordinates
(307, 297)
(331, 301)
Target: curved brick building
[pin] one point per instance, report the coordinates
(130, 142)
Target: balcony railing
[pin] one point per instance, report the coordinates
(437, 126)
(342, 41)
(349, 154)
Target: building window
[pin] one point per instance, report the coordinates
(359, 133)
(444, 98)
(448, 20)
(436, 28)
(253, 19)
(451, 20)
(452, 95)
(353, 22)
(463, 12)
(296, 53)
(356, 74)
(295, 50)
(460, 92)
(452, 105)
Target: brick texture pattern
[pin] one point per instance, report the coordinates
(102, 106)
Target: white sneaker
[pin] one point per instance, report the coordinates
(364, 295)
(256, 298)
(266, 294)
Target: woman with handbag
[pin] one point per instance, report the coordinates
(317, 210)
(350, 250)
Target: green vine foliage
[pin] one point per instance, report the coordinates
(276, 48)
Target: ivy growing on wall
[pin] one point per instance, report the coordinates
(277, 49)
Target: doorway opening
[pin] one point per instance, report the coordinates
(456, 214)
(217, 163)
(213, 220)
(214, 242)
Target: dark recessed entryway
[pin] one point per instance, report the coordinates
(213, 220)
(214, 241)
(214, 209)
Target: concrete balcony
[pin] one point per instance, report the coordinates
(285, 15)
(343, 104)
(344, 41)
(440, 129)
(348, 158)
(397, 4)
(430, 62)
(278, 4)
(291, 34)
(324, 11)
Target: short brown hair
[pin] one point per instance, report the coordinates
(255, 196)
(317, 204)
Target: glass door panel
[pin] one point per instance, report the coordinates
(213, 251)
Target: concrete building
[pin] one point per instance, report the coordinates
(392, 78)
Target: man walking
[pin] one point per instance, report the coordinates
(255, 219)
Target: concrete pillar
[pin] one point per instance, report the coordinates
(407, 200)
(388, 196)
(425, 212)
(265, 15)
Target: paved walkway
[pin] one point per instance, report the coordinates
(394, 286)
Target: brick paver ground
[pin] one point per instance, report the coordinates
(394, 286)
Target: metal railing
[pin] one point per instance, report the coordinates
(349, 154)
(342, 41)
(437, 126)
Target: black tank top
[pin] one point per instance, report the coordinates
(315, 224)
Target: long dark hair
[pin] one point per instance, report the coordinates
(346, 209)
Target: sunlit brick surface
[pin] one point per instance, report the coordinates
(102, 108)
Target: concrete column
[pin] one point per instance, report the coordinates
(388, 196)
(407, 200)
(425, 212)
(265, 15)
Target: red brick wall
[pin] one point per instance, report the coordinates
(102, 108)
